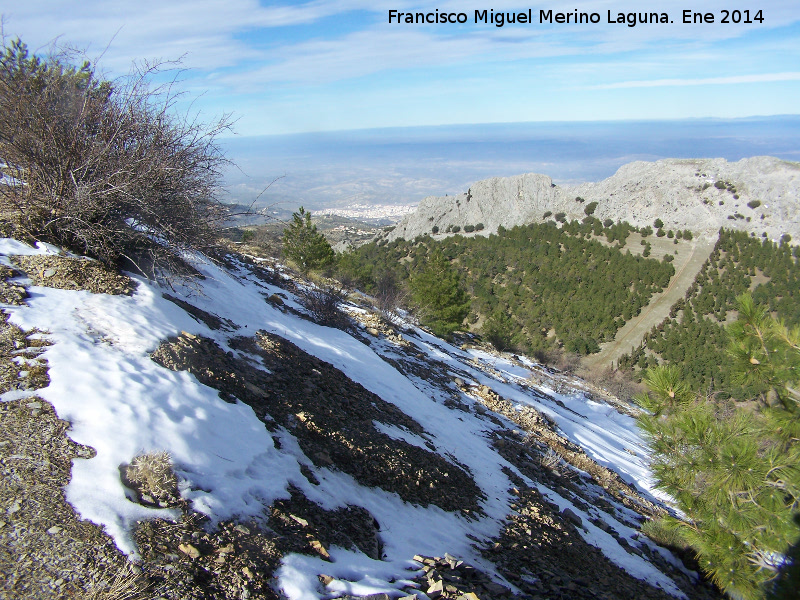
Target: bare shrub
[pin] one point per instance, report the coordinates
(550, 460)
(323, 304)
(390, 294)
(617, 382)
(152, 476)
(105, 168)
(567, 362)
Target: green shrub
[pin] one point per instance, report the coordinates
(754, 204)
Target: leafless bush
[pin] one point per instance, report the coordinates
(323, 304)
(553, 461)
(619, 383)
(105, 168)
(567, 362)
(390, 294)
(550, 460)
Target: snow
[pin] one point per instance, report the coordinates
(123, 404)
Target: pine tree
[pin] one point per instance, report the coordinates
(734, 472)
(304, 245)
(437, 292)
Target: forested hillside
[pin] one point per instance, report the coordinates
(693, 338)
(534, 286)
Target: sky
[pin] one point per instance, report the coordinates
(327, 65)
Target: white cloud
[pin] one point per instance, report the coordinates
(737, 79)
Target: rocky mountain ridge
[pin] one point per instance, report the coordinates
(758, 195)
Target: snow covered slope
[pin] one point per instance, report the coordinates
(235, 458)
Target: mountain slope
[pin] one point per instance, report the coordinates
(697, 194)
(316, 462)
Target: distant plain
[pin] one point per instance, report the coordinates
(403, 165)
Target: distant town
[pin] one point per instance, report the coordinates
(370, 213)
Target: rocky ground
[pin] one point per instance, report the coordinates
(47, 551)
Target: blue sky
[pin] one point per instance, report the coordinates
(284, 67)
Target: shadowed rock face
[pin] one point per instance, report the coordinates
(698, 194)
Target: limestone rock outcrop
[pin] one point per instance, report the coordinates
(760, 194)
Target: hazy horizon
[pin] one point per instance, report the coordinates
(402, 165)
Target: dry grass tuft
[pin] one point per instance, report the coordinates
(664, 533)
(125, 585)
(152, 476)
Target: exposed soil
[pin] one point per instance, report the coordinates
(541, 553)
(331, 416)
(73, 274)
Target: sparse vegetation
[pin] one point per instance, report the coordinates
(323, 304)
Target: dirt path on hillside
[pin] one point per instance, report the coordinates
(687, 265)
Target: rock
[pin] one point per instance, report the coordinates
(54, 530)
(495, 589)
(325, 579)
(324, 458)
(276, 300)
(320, 548)
(242, 529)
(299, 520)
(189, 550)
(34, 405)
(48, 273)
(638, 193)
(570, 516)
(435, 590)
